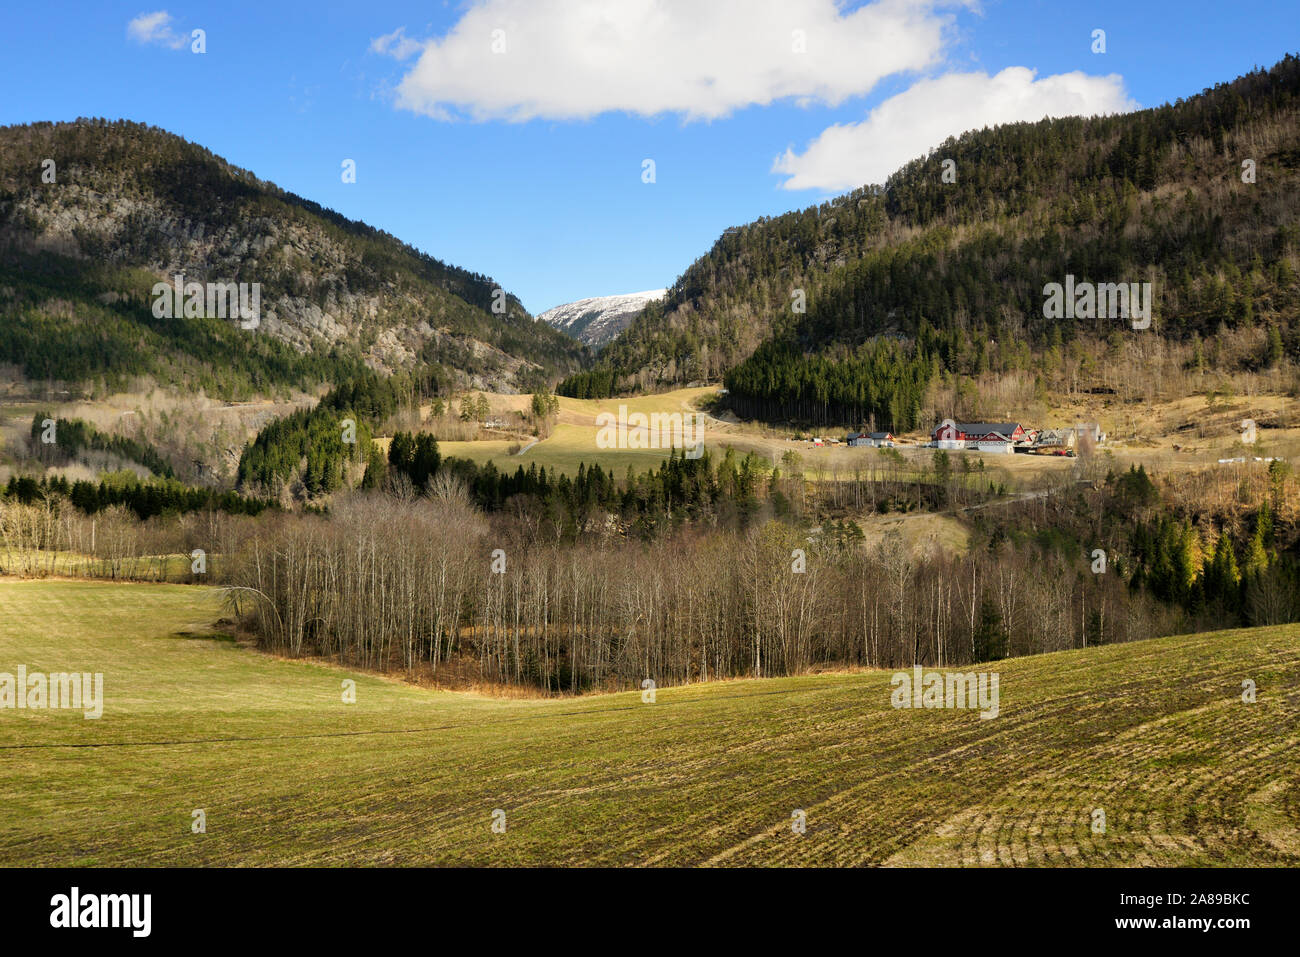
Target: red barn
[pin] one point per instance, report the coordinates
(950, 431)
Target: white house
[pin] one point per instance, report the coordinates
(870, 439)
(1091, 431)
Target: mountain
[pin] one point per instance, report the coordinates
(597, 320)
(93, 214)
(1200, 198)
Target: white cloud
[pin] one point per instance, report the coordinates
(396, 45)
(915, 121)
(156, 28)
(573, 59)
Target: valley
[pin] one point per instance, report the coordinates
(382, 569)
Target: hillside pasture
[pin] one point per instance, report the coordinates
(1154, 734)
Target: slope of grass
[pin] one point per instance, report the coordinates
(573, 441)
(1155, 734)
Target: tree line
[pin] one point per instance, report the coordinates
(145, 499)
(432, 585)
(701, 568)
(390, 580)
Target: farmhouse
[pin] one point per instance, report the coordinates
(1055, 439)
(1090, 431)
(870, 439)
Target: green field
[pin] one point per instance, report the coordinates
(564, 450)
(573, 438)
(1155, 734)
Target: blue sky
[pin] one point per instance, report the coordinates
(525, 162)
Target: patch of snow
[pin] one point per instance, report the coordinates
(597, 320)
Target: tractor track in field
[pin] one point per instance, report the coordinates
(237, 739)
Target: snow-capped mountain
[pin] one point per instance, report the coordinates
(596, 321)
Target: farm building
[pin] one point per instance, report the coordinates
(992, 442)
(993, 432)
(1055, 439)
(985, 436)
(870, 439)
(948, 435)
(1090, 431)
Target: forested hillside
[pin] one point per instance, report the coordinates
(1199, 197)
(94, 213)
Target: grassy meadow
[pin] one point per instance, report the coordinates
(1155, 734)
